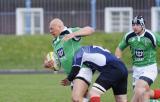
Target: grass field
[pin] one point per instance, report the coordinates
(43, 88)
(27, 52)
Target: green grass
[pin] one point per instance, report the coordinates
(22, 52)
(27, 52)
(33, 88)
(43, 88)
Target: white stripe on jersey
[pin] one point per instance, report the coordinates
(127, 34)
(154, 38)
(69, 30)
(96, 58)
(75, 38)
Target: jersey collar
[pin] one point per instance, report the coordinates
(58, 38)
(141, 34)
(65, 28)
(65, 31)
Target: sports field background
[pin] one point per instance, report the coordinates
(27, 53)
(44, 88)
(23, 55)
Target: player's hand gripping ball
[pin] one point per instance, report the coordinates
(51, 61)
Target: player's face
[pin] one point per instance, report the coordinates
(54, 30)
(137, 28)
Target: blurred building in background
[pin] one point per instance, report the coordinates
(75, 13)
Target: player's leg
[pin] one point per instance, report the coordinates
(95, 92)
(120, 91)
(140, 91)
(121, 98)
(120, 79)
(144, 77)
(81, 84)
(79, 89)
(120, 88)
(136, 74)
(114, 74)
(101, 85)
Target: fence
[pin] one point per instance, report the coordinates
(72, 12)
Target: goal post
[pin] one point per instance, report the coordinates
(29, 21)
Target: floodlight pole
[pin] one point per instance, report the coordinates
(157, 3)
(93, 13)
(28, 17)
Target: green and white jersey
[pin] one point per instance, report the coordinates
(65, 50)
(143, 47)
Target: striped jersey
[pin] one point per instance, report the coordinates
(65, 50)
(143, 47)
(94, 57)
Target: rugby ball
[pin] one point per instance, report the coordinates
(51, 56)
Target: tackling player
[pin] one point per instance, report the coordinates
(113, 74)
(143, 44)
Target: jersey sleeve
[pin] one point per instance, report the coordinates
(122, 45)
(77, 38)
(75, 29)
(73, 73)
(157, 39)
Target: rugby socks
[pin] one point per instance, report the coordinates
(156, 94)
(95, 99)
(85, 100)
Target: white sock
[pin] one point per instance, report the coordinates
(85, 100)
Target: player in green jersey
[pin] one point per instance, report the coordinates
(143, 44)
(65, 43)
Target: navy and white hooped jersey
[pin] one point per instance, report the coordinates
(95, 57)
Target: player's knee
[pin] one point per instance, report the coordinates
(138, 91)
(121, 98)
(146, 95)
(76, 98)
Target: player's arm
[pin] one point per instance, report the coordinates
(122, 45)
(71, 76)
(118, 52)
(87, 30)
(77, 32)
(76, 65)
(73, 73)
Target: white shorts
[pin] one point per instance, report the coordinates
(86, 74)
(149, 71)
